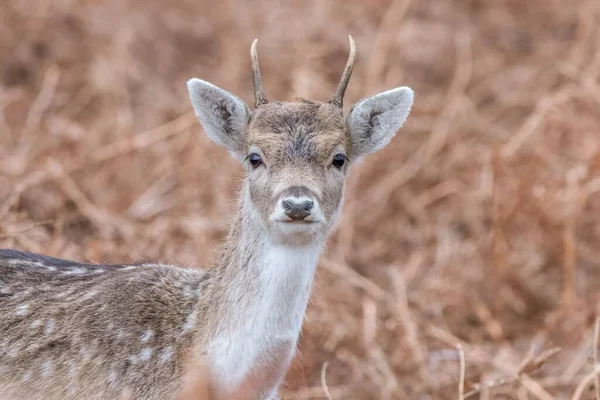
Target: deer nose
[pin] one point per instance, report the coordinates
(297, 208)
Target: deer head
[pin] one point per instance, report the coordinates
(297, 154)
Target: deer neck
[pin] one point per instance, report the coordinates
(261, 281)
(261, 289)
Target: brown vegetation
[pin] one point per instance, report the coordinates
(477, 226)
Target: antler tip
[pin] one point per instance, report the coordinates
(253, 48)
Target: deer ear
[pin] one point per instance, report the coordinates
(374, 121)
(223, 116)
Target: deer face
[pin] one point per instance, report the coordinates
(297, 154)
(296, 161)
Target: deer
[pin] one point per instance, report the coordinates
(75, 330)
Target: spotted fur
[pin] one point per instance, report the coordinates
(71, 331)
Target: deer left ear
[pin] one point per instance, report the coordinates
(374, 121)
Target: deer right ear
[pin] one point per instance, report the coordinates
(223, 116)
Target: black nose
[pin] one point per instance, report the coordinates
(297, 209)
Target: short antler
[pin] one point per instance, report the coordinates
(338, 98)
(259, 96)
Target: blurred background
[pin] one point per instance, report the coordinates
(476, 226)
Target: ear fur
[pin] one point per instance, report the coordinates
(374, 121)
(223, 116)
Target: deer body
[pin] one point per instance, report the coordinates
(70, 330)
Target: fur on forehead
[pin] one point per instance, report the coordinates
(307, 129)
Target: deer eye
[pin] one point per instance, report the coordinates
(255, 160)
(338, 160)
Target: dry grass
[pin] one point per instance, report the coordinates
(476, 227)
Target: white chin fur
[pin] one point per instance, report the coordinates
(291, 228)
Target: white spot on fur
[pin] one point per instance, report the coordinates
(22, 309)
(86, 355)
(147, 336)
(145, 354)
(133, 359)
(49, 326)
(33, 347)
(26, 263)
(76, 338)
(5, 290)
(36, 324)
(50, 268)
(90, 295)
(27, 376)
(99, 271)
(166, 354)
(47, 368)
(129, 267)
(72, 370)
(112, 379)
(190, 322)
(74, 271)
(120, 334)
(13, 352)
(188, 292)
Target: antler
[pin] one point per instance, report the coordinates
(259, 96)
(338, 97)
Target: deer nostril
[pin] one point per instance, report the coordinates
(287, 205)
(308, 205)
(297, 210)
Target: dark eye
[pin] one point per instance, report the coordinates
(255, 160)
(338, 160)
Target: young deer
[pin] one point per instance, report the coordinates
(84, 331)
